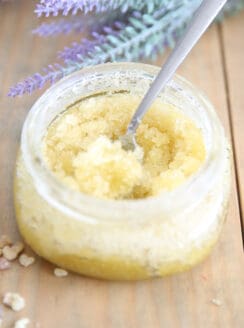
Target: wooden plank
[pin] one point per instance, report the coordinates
(174, 302)
(233, 43)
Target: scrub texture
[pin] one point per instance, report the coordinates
(88, 206)
(83, 150)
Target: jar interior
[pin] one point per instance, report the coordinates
(136, 82)
(107, 79)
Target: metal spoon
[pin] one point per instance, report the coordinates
(202, 18)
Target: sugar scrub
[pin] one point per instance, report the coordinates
(82, 148)
(87, 206)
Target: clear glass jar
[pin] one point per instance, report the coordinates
(122, 239)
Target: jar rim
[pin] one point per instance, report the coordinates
(78, 203)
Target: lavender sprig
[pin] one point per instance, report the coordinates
(51, 74)
(143, 32)
(86, 46)
(83, 48)
(76, 24)
(61, 26)
(140, 34)
(55, 7)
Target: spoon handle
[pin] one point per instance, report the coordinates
(202, 18)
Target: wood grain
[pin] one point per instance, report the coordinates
(181, 301)
(233, 46)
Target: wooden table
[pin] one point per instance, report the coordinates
(216, 66)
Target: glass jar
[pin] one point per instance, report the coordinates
(121, 239)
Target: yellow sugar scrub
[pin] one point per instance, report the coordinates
(87, 205)
(82, 148)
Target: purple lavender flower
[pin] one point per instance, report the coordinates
(87, 46)
(37, 81)
(62, 26)
(141, 33)
(118, 42)
(77, 24)
(54, 7)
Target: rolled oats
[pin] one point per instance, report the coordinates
(60, 272)
(11, 252)
(26, 260)
(14, 301)
(22, 323)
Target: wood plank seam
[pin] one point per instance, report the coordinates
(227, 92)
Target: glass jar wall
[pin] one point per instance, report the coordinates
(121, 239)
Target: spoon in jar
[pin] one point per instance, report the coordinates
(202, 18)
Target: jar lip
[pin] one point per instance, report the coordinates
(76, 202)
